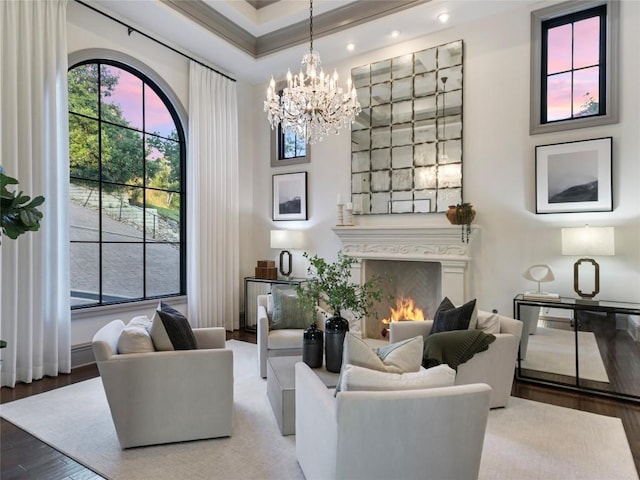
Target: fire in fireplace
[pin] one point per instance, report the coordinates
(405, 310)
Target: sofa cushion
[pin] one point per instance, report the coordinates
(287, 312)
(399, 357)
(170, 330)
(358, 378)
(285, 338)
(488, 322)
(449, 317)
(135, 339)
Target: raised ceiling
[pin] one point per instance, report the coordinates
(251, 40)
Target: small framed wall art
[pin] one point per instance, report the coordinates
(290, 196)
(574, 177)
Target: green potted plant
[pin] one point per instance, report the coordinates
(462, 214)
(18, 213)
(330, 284)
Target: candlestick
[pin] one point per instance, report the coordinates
(340, 216)
(349, 209)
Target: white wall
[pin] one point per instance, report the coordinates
(498, 173)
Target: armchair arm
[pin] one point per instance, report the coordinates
(511, 325)
(316, 425)
(262, 336)
(399, 331)
(214, 337)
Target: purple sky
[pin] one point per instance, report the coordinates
(585, 52)
(128, 95)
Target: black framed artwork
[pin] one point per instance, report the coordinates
(289, 196)
(574, 177)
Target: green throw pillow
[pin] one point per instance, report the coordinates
(287, 312)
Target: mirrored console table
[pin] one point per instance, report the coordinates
(578, 346)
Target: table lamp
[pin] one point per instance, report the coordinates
(586, 242)
(286, 239)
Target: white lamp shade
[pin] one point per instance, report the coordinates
(588, 241)
(286, 239)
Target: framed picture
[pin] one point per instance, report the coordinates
(290, 196)
(574, 177)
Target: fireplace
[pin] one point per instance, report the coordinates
(426, 263)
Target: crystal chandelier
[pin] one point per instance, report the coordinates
(312, 106)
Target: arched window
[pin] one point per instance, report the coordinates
(127, 178)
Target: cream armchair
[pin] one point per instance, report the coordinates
(495, 366)
(163, 397)
(411, 434)
(278, 343)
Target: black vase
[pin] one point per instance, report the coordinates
(335, 329)
(312, 346)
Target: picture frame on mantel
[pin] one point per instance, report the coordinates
(289, 196)
(574, 176)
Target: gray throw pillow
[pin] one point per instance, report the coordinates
(449, 317)
(287, 312)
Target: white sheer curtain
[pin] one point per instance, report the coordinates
(34, 278)
(212, 201)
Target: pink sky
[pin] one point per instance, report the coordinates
(585, 53)
(128, 95)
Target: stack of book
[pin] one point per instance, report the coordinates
(542, 296)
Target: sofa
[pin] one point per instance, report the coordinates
(167, 396)
(495, 366)
(401, 434)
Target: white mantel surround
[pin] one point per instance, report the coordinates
(432, 243)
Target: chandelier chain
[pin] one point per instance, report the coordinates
(312, 105)
(310, 26)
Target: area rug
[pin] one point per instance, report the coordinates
(527, 440)
(554, 350)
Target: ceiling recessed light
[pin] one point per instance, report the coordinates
(351, 47)
(443, 17)
(395, 33)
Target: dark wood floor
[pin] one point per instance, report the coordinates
(22, 456)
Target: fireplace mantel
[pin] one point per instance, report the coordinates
(435, 243)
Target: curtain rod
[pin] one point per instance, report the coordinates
(132, 29)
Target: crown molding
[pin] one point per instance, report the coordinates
(342, 18)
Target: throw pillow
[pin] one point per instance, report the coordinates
(287, 312)
(359, 378)
(140, 321)
(449, 317)
(135, 339)
(399, 357)
(170, 330)
(488, 322)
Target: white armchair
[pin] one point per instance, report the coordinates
(170, 396)
(278, 343)
(495, 366)
(432, 433)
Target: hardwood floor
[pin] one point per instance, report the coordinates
(22, 456)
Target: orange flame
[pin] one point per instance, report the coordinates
(405, 310)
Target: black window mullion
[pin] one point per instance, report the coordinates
(100, 187)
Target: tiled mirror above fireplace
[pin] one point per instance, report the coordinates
(407, 142)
